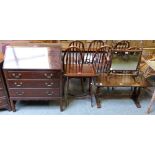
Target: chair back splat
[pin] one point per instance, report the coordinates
(93, 46)
(78, 44)
(102, 59)
(72, 60)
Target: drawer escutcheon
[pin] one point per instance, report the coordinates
(49, 84)
(49, 76)
(18, 84)
(20, 93)
(17, 76)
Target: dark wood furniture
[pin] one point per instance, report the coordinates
(33, 73)
(102, 60)
(102, 64)
(93, 46)
(122, 45)
(4, 100)
(118, 80)
(124, 72)
(78, 44)
(75, 68)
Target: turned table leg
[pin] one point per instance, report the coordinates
(135, 96)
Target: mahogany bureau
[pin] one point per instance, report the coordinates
(33, 73)
(4, 100)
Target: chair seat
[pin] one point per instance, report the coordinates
(117, 80)
(86, 70)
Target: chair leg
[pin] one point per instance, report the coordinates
(66, 91)
(68, 83)
(135, 96)
(91, 90)
(108, 89)
(89, 84)
(82, 84)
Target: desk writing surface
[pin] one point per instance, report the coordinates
(116, 80)
(32, 58)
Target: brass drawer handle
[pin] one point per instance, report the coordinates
(16, 75)
(48, 76)
(18, 85)
(49, 93)
(49, 84)
(20, 94)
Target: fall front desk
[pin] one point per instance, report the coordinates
(33, 73)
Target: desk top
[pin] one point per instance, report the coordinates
(20, 57)
(124, 80)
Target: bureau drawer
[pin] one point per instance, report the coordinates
(55, 83)
(32, 74)
(34, 92)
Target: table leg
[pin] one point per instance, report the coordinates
(135, 96)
